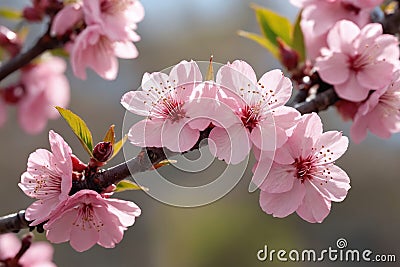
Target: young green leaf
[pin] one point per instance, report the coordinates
(11, 14)
(272, 48)
(118, 145)
(110, 135)
(298, 39)
(273, 25)
(79, 127)
(125, 185)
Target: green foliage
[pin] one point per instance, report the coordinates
(10, 13)
(79, 127)
(274, 26)
(125, 185)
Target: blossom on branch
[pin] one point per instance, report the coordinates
(48, 178)
(358, 60)
(380, 113)
(100, 31)
(165, 101)
(319, 16)
(87, 218)
(262, 119)
(303, 177)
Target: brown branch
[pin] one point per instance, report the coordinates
(322, 101)
(13, 222)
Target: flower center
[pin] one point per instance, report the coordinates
(250, 116)
(304, 168)
(172, 109)
(86, 219)
(358, 62)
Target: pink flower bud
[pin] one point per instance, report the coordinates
(13, 94)
(32, 14)
(103, 151)
(289, 57)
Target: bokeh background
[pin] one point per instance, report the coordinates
(228, 232)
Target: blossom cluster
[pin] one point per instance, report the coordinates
(41, 86)
(358, 60)
(100, 31)
(242, 113)
(85, 217)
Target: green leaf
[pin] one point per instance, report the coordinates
(272, 48)
(79, 127)
(273, 25)
(125, 185)
(118, 145)
(10, 13)
(59, 52)
(110, 135)
(298, 40)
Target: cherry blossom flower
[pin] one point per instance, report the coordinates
(261, 120)
(165, 101)
(93, 49)
(380, 113)
(39, 254)
(109, 34)
(358, 61)
(48, 178)
(117, 18)
(87, 218)
(303, 176)
(45, 86)
(319, 16)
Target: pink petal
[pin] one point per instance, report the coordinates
(112, 233)
(59, 228)
(126, 50)
(351, 90)
(264, 136)
(66, 19)
(146, 133)
(83, 239)
(126, 211)
(331, 146)
(32, 115)
(262, 167)
(358, 130)
(314, 207)
(178, 136)
(39, 254)
(375, 76)
(332, 183)
(231, 145)
(277, 87)
(341, 36)
(186, 73)
(138, 102)
(280, 179)
(9, 246)
(282, 204)
(333, 69)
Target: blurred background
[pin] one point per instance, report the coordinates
(230, 231)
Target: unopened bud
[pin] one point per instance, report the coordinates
(103, 151)
(13, 93)
(9, 41)
(32, 14)
(289, 57)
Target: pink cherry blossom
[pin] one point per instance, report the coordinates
(39, 254)
(319, 16)
(380, 113)
(261, 120)
(303, 176)
(117, 18)
(93, 49)
(66, 19)
(358, 61)
(48, 178)
(165, 101)
(87, 218)
(45, 86)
